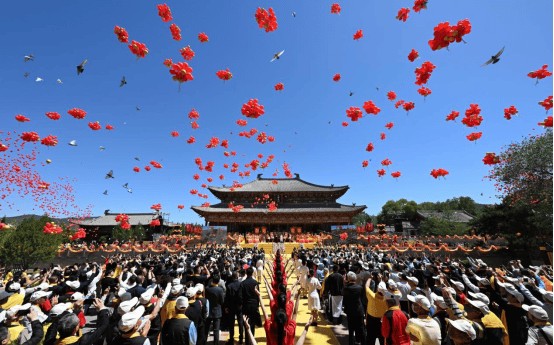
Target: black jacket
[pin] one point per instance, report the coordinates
(176, 332)
(352, 300)
(250, 298)
(233, 296)
(216, 296)
(89, 338)
(334, 284)
(38, 332)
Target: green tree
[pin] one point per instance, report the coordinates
(524, 178)
(28, 244)
(397, 209)
(361, 218)
(438, 226)
(135, 233)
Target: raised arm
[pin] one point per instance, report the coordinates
(296, 303)
(302, 337)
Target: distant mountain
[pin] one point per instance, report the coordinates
(16, 220)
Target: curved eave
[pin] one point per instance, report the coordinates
(206, 211)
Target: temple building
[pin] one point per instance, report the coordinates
(299, 204)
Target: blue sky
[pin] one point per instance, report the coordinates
(317, 45)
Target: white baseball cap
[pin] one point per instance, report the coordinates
(77, 296)
(59, 308)
(457, 285)
(39, 294)
(191, 292)
(146, 296)
(484, 308)
(513, 291)
(125, 307)
(182, 303)
(463, 326)
(421, 300)
(439, 300)
(536, 311)
(199, 287)
(176, 289)
(130, 319)
(413, 280)
(480, 296)
(74, 284)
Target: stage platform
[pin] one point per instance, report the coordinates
(272, 247)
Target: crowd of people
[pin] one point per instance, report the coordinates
(183, 298)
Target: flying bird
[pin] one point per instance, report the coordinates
(137, 159)
(495, 58)
(105, 192)
(102, 148)
(126, 186)
(73, 143)
(294, 14)
(351, 93)
(109, 174)
(123, 82)
(29, 57)
(138, 108)
(59, 81)
(26, 74)
(48, 161)
(277, 55)
(129, 190)
(39, 79)
(81, 67)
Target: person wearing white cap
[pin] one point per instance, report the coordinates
(478, 312)
(168, 308)
(134, 328)
(11, 334)
(513, 316)
(68, 328)
(179, 330)
(423, 329)
(461, 332)
(459, 287)
(16, 297)
(37, 300)
(541, 331)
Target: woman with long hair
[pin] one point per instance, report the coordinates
(314, 304)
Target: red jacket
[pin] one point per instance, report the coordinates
(397, 335)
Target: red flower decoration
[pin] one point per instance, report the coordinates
(272, 206)
(383, 136)
(546, 103)
(491, 158)
(193, 114)
(109, 127)
(181, 72)
(52, 229)
(365, 164)
(474, 136)
(354, 113)
(335, 8)
(472, 116)
(139, 49)
(424, 91)
(547, 123)
(174, 134)
(399, 103)
(359, 34)
(509, 112)
(95, 126)
(266, 19)
(224, 74)
(381, 172)
(165, 13)
(369, 147)
(408, 106)
(279, 87)
(252, 109)
(180, 207)
(452, 116)
(413, 55)
(419, 5)
(395, 174)
(196, 177)
(202, 37)
(423, 73)
(386, 162)
(22, 118)
(343, 236)
(214, 142)
(389, 125)
(336, 77)
(371, 108)
(242, 122)
(30, 136)
(436, 173)
(52, 115)
(391, 95)
(175, 32)
(444, 34)
(3, 148)
(187, 53)
(156, 207)
(345, 124)
(403, 14)
(540, 73)
(77, 113)
(50, 140)
(155, 222)
(122, 35)
(147, 168)
(168, 62)
(155, 164)
(136, 169)
(225, 143)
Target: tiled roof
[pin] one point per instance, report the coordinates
(453, 216)
(266, 185)
(109, 219)
(339, 208)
